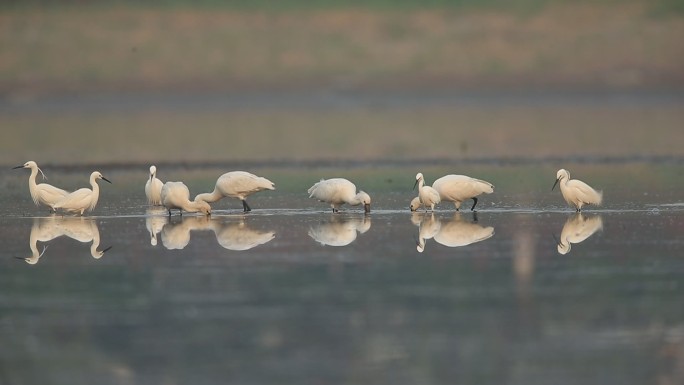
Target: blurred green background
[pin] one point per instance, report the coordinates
(169, 81)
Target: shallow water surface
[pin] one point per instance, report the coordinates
(517, 293)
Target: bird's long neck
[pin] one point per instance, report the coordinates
(96, 192)
(192, 206)
(210, 197)
(421, 183)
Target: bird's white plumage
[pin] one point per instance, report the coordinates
(176, 196)
(239, 236)
(427, 195)
(42, 193)
(338, 191)
(237, 184)
(577, 229)
(457, 189)
(575, 192)
(84, 199)
(153, 187)
(451, 233)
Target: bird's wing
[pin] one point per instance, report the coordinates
(585, 193)
(76, 200)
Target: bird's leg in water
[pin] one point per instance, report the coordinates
(474, 204)
(245, 206)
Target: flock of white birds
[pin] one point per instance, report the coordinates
(335, 191)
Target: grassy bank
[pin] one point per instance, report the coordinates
(105, 46)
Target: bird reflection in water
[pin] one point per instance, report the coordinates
(577, 229)
(230, 234)
(340, 230)
(454, 232)
(155, 220)
(81, 229)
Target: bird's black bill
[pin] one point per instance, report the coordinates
(366, 207)
(415, 184)
(554, 185)
(14, 168)
(107, 249)
(107, 180)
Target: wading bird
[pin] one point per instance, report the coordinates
(42, 193)
(176, 196)
(84, 198)
(576, 192)
(427, 195)
(153, 188)
(236, 184)
(338, 191)
(457, 189)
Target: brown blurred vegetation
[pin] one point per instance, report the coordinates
(560, 44)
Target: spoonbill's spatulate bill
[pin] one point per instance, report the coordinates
(176, 196)
(82, 199)
(457, 189)
(576, 192)
(237, 184)
(338, 191)
(427, 195)
(42, 193)
(153, 188)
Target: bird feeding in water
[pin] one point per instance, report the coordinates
(236, 184)
(457, 189)
(576, 192)
(42, 193)
(82, 199)
(338, 191)
(153, 187)
(427, 195)
(176, 196)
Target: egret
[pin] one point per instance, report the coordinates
(458, 188)
(153, 187)
(577, 229)
(338, 191)
(237, 184)
(576, 192)
(427, 195)
(42, 193)
(82, 199)
(175, 195)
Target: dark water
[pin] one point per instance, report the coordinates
(523, 292)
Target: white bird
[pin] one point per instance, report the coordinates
(82, 199)
(340, 231)
(457, 189)
(175, 195)
(153, 188)
(427, 195)
(338, 191)
(237, 184)
(576, 192)
(576, 230)
(42, 193)
(83, 230)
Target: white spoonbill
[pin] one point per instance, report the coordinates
(42, 193)
(340, 231)
(175, 195)
(427, 195)
(338, 191)
(84, 198)
(458, 188)
(576, 192)
(237, 184)
(153, 188)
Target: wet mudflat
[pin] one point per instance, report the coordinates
(525, 291)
